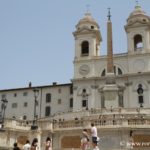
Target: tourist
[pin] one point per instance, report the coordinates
(85, 140)
(16, 146)
(27, 146)
(34, 145)
(93, 133)
(94, 136)
(48, 144)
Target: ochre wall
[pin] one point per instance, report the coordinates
(70, 142)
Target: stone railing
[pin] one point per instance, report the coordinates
(17, 124)
(103, 118)
(45, 125)
(102, 123)
(26, 125)
(106, 121)
(95, 111)
(71, 115)
(120, 111)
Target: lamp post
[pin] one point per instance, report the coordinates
(34, 125)
(3, 108)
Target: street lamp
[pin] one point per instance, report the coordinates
(2, 116)
(34, 125)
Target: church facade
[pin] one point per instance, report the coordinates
(111, 91)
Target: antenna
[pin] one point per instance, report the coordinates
(109, 14)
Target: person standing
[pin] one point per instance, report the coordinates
(27, 146)
(93, 133)
(48, 144)
(16, 146)
(34, 145)
(94, 137)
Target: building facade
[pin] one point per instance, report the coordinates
(113, 91)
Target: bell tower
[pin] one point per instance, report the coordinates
(87, 45)
(138, 31)
(87, 51)
(87, 38)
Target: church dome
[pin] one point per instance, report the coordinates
(87, 21)
(138, 15)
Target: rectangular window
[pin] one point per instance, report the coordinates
(47, 111)
(84, 103)
(71, 102)
(25, 104)
(59, 101)
(48, 97)
(14, 105)
(25, 93)
(141, 99)
(71, 89)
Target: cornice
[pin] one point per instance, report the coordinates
(123, 77)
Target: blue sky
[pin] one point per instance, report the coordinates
(36, 41)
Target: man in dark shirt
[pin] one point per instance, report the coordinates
(16, 147)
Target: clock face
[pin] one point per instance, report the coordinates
(84, 69)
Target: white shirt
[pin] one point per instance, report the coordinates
(94, 131)
(27, 146)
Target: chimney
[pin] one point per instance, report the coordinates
(54, 83)
(30, 84)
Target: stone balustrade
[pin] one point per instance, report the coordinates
(109, 118)
(103, 118)
(26, 125)
(142, 123)
(17, 124)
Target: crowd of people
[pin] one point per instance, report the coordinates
(89, 140)
(34, 145)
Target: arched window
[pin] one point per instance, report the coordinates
(24, 117)
(85, 48)
(138, 43)
(119, 71)
(103, 73)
